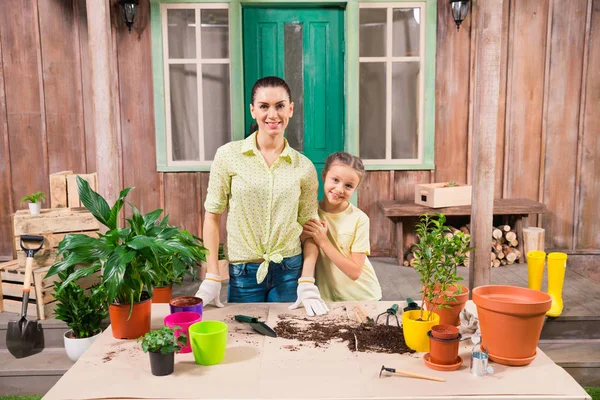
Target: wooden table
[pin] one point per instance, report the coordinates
(260, 367)
(519, 209)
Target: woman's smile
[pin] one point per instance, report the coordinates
(272, 110)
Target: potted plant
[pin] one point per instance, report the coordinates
(35, 202)
(161, 344)
(438, 254)
(129, 259)
(82, 310)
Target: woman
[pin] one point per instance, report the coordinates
(270, 191)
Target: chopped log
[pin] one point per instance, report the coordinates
(500, 255)
(496, 233)
(496, 263)
(498, 248)
(514, 243)
(511, 257)
(465, 230)
(453, 230)
(493, 256)
(406, 263)
(510, 236)
(410, 257)
(412, 262)
(503, 262)
(533, 239)
(505, 228)
(466, 262)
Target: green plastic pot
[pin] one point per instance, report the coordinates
(209, 341)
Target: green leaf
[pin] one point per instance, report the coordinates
(94, 202)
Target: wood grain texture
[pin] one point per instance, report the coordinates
(451, 97)
(182, 194)
(408, 208)
(137, 119)
(62, 93)
(588, 232)
(375, 187)
(86, 86)
(19, 41)
(500, 175)
(525, 97)
(6, 205)
(566, 65)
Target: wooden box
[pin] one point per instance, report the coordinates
(437, 195)
(41, 297)
(63, 188)
(53, 224)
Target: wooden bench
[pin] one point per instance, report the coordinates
(519, 209)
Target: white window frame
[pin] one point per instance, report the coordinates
(389, 59)
(199, 62)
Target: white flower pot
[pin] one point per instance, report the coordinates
(76, 347)
(35, 208)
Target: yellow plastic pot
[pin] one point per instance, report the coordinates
(415, 332)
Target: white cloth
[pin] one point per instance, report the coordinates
(310, 298)
(469, 326)
(210, 289)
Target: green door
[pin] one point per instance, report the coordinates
(304, 46)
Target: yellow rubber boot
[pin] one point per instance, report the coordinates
(535, 268)
(557, 265)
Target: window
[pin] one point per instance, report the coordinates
(391, 73)
(196, 81)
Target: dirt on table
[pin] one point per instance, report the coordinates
(360, 337)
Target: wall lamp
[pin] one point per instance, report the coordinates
(129, 8)
(459, 8)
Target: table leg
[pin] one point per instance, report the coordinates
(519, 229)
(399, 242)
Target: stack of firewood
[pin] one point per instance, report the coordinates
(503, 250)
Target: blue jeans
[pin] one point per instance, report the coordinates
(279, 286)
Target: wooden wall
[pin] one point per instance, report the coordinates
(548, 144)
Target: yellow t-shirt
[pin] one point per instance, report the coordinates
(348, 231)
(267, 205)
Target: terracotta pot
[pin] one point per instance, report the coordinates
(511, 320)
(449, 315)
(126, 327)
(443, 351)
(444, 332)
(162, 294)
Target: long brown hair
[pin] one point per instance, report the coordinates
(346, 159)
(270, 81)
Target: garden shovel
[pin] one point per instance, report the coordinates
(23, 336)
(258, 326)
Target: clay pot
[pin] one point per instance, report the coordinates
(162, 294)
(444, 332)
(449, 315)
(511, 320)
(130, 327)
(443, 351)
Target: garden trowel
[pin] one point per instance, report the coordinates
(258, 326)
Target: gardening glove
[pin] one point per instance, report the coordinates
(210, 289)
(310, 298)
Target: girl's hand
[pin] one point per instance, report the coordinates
(317, 230)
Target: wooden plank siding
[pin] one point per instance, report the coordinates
(547, 143)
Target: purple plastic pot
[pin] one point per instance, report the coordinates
(186, 303)
(183, 319)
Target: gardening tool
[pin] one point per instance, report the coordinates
(411, 305)
(369, 319)
(23, 336)
(258, 326)
(409, 374)
(479, 362)
(390, 312)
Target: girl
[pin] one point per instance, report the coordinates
(270, 191)
(343, 271)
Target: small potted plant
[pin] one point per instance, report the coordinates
(35, 202)
(83, 311)
(161, 344)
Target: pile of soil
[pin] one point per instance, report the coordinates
(363, 337)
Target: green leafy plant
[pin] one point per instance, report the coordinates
(173, 267)
(437, 256)
(82, 310)
(451, 184)
(34, 198)
(131, 259)
(163, 340)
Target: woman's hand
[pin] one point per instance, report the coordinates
(317, 230)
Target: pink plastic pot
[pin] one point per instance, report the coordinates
(184, 320)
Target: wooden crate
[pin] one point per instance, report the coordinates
(41, 297)
(63, 188)
(437, 195)
(53, 224)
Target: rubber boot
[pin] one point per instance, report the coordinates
(535, 269)
(557, 265)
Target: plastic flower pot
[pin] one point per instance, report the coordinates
(444, 332)
(130, 327)
(184, 320)
(186, 303)
(163, 294)
(443, 351)
(76, 347)
(35, 208)
(209, 341)
(415, 331)
(511, 320)
(162, 364)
